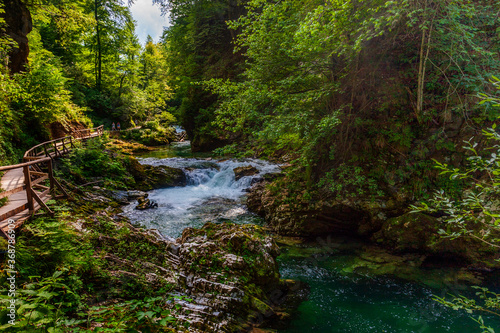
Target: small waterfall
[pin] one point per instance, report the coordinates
(212, 194)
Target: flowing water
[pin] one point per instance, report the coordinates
(340, 300)
(211, 195)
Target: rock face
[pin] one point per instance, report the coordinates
(230, 275)
(60, 130)
(19, 24)
(416, 232)
(148, 177)
(385, 222)
(409, 232)
(301, 217)
(243, 171)
(220, 278)
(200, 143)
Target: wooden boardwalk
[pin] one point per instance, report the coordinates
(31, 184)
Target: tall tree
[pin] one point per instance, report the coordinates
(113, 20)
(199, 45)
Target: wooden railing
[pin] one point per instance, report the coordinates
(38, 171)
(88, 132)
(58, 147)
(35, 173)
(53, 148)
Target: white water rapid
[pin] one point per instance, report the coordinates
(212, 195)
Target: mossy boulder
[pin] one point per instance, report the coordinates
(295, 214)
(417, 232)
(231, 274)
(244, 171)
(148, 177)
(144, 203)
(409, 232)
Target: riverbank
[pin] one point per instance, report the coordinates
(215, 277)
(89, 269)
(350, 258)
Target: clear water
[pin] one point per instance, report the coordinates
(349, 302)
(339, 300)
(175, 149)
(212, 195)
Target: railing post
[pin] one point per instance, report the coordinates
(51, 177)
(27, 182)
(64, 146)
(55, 149)
(71, 142)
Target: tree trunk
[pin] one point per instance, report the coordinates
(99, 50)
(121, 85)
(18, 26)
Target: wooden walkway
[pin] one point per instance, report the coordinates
(31, 184)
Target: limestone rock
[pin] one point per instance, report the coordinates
(119, 196)
(243, 171)
(148, 177)
(131, 195)
(231, 276)
(301, 216)
(417, 232)
(145, 203)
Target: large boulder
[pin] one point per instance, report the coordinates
(149, 177)
(409, 232)
(297, 211)
(297, 215)
(417, 232)
(244, 171)
(144, 203)
(230, 274)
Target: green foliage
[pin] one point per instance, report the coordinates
(41, 305)
(199, 47)
(231, 149)
(10, 90)
(95, 161)
(336, 82)
(348, 181)
(476, 213)
(154, 132)
(488, 302)
(62, 274)
(60, 83)
(148, 314)
(45, 98)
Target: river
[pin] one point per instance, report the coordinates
(342, 299)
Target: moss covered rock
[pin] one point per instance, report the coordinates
(409, 232)
(231, 276)
(295, 214)
(417, 232)
(244, 171)
(148, 177)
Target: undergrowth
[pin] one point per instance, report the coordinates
(66, 284)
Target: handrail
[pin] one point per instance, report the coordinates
(98, 129)
(89, 129)
(21, 165)
(43, 143)
(29, 151)
(51, 149)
